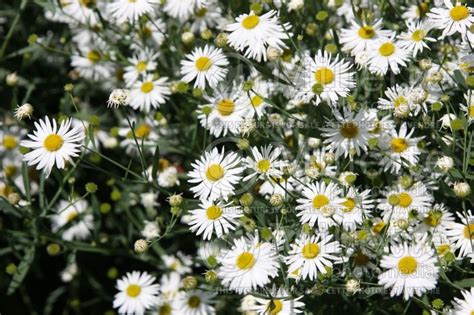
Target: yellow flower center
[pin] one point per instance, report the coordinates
(88, 3)
(246, 260)
(274, 307)
(53, 142)
(133, 290)
(324, 75)
(469, 231)
(360, 259)
(366, 32)
(378, 227)
(471, 111)
(203, 63)
(442, 249)
(146, 32)
(93, 56)
(405, 200)
(214, 172)
(433, 219)
(349, 205)
(401, 100)
(407, 265)
(256, 101)
(459, 13)
(398, 145)
(310, 250)
(71, 216)
(320, 201)
(213, 212)
(263, 165)
(10, 170)
(386, 49)
(165, 310)
(250, 21)
(143, 131)
(9, 142)
(194, 301)
(349, 130)
(225, 107)
(141, 66)
(421, 9)
(418, 35)
(146, 87)
(201, 12)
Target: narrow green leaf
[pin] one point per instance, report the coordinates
(156, 162)
(22, 270)
(465, 283)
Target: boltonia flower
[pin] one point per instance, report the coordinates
(182, 9)
(252, 34)
(90, 62)
(312, 255)
(214, 217)
(411, 270)
(464, 306)
(248, 265)
(149, 93)
(215, 175)
(206, 65)
(360, 38)
(415, 39)
(468, 108)
(356, 208)
(264, 163)
(52, 145)
(387, 55)
(195, 302)
(282, 304)
(73, 220)
(462, 235)
(140, 65)
(137, 293)
(452, 19)
(398, 99)
(130, 11)
(350, 135)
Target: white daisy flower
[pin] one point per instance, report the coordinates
(279, 185)
(169, 287)
(152, 32)
(195, 302)
(398, 99)
(282, 304)
(360, 38)
(215, 175)
(207, 17)
(214, 218)
(324, 78)
(320, 163)
(168, 177)
(252, 34)
(140, 64)
(356, 207)
(387, 55)
(464, 306)
(138, 293)
(182, 9)
(415, 39)
(350, 134)
(401, 149)
(180, 263)
(73, 216)
(130, 11)
(149, 93)
(318, 204)
(416, 11)
(264, 163)
(255, 98)
(462, 235)
(437, 219)
(468, 108)
(452, 19)
(411, 270)
(80, 11)
(52, 145)
(248, 265)
(312, 255)
(208, 65)
(90, 63)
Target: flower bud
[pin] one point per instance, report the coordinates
(140, 246)
(461, 189)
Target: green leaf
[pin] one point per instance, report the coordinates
(22, 270)
(156, 162)
(465, 283)
(460, 78)
(26, 181)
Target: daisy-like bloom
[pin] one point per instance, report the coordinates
(214, 217)
(278, 306)
(264, 163)
(438, 219)
(204, 65)
(91, 64)
(312, 255)
(359, 38)
(224, 114)
(255, 98)
(180, 263)
(73, 216)
(252, 34)
(169, 287)
(399, 202)
(168, 177)
(401, 149)
(324, 78)
(149, 93)
(398, 99)
(320, 163)
(139, 65)
(52, 145)
(356, 207)
(130, 11)
(387, 55)
(415, 40)
(80, 11)
(182, 9)
(318, 204)
(215, 175)
(138, 293)
(464, 306)
(452, 19)
(350, 134)
(118, 97)
(279, 185)
(462, 235)
(195, 302)
(416, 11)
(207, 17)
(249, 264)
(411, 270)
(468, 108)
